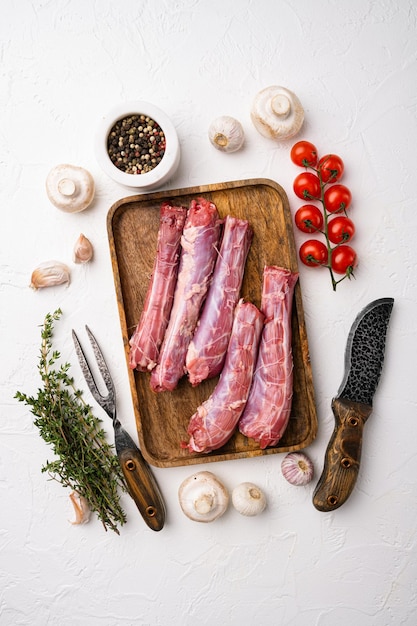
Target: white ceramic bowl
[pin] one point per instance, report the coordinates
(161, 172)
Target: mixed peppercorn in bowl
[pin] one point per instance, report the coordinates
(137, 145)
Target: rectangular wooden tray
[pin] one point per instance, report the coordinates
(162, 418)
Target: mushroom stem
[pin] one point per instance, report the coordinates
(66, 186)
(204, 503)
(281, 105)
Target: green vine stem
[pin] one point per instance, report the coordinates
(330, 248)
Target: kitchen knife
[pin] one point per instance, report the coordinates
(352, 405)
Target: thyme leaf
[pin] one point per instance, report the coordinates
(85, 462)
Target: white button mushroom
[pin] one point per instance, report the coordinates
(70, 188)
(277, 113)
(203, 497)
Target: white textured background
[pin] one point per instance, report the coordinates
(353, 64)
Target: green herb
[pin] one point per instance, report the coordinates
(85, 461)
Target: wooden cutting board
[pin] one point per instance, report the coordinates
(162, 418)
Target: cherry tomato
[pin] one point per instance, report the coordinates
(337, 198)
(344, 260)
(331, 168)
(304, 154)
(313, 253)
(307, 186)
(309, 218)
(340, 229)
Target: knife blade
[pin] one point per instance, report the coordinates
(352, 406)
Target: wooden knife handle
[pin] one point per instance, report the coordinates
(142, 487)
(341, 463)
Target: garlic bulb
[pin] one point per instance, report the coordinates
(248, 499)
(202, 497)
(297, 468)
(226, 134)
(81, 508)
(70, 188)
(277, 113)
(83, 250)
(49, 274)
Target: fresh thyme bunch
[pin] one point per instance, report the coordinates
(85, 461)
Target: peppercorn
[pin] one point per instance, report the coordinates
(136, 144)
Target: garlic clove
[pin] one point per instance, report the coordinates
(248, 499)
(70, 188)
(203, 497)
(277, 113)
(226, 134)
(49, 274)
(81, 508)
(83, 250)
(297, 468)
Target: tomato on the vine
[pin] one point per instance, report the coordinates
(337, 198)
(307, 186)
(309, 218)
(313, 253)
(320, 183)
(331, 168)
(304, 154)
(340, 229)
(343, 260)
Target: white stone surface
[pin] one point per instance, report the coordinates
(353, 64)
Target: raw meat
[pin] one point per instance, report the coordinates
(215, 420)
(199, 241)
(147, 338)
(268, 408)
(207, 350)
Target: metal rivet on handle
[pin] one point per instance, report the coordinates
(150, 511)
(353, 421)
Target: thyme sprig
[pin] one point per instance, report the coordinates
(85, 460)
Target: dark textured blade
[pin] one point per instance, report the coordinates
(106, 402)
(365, 349)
